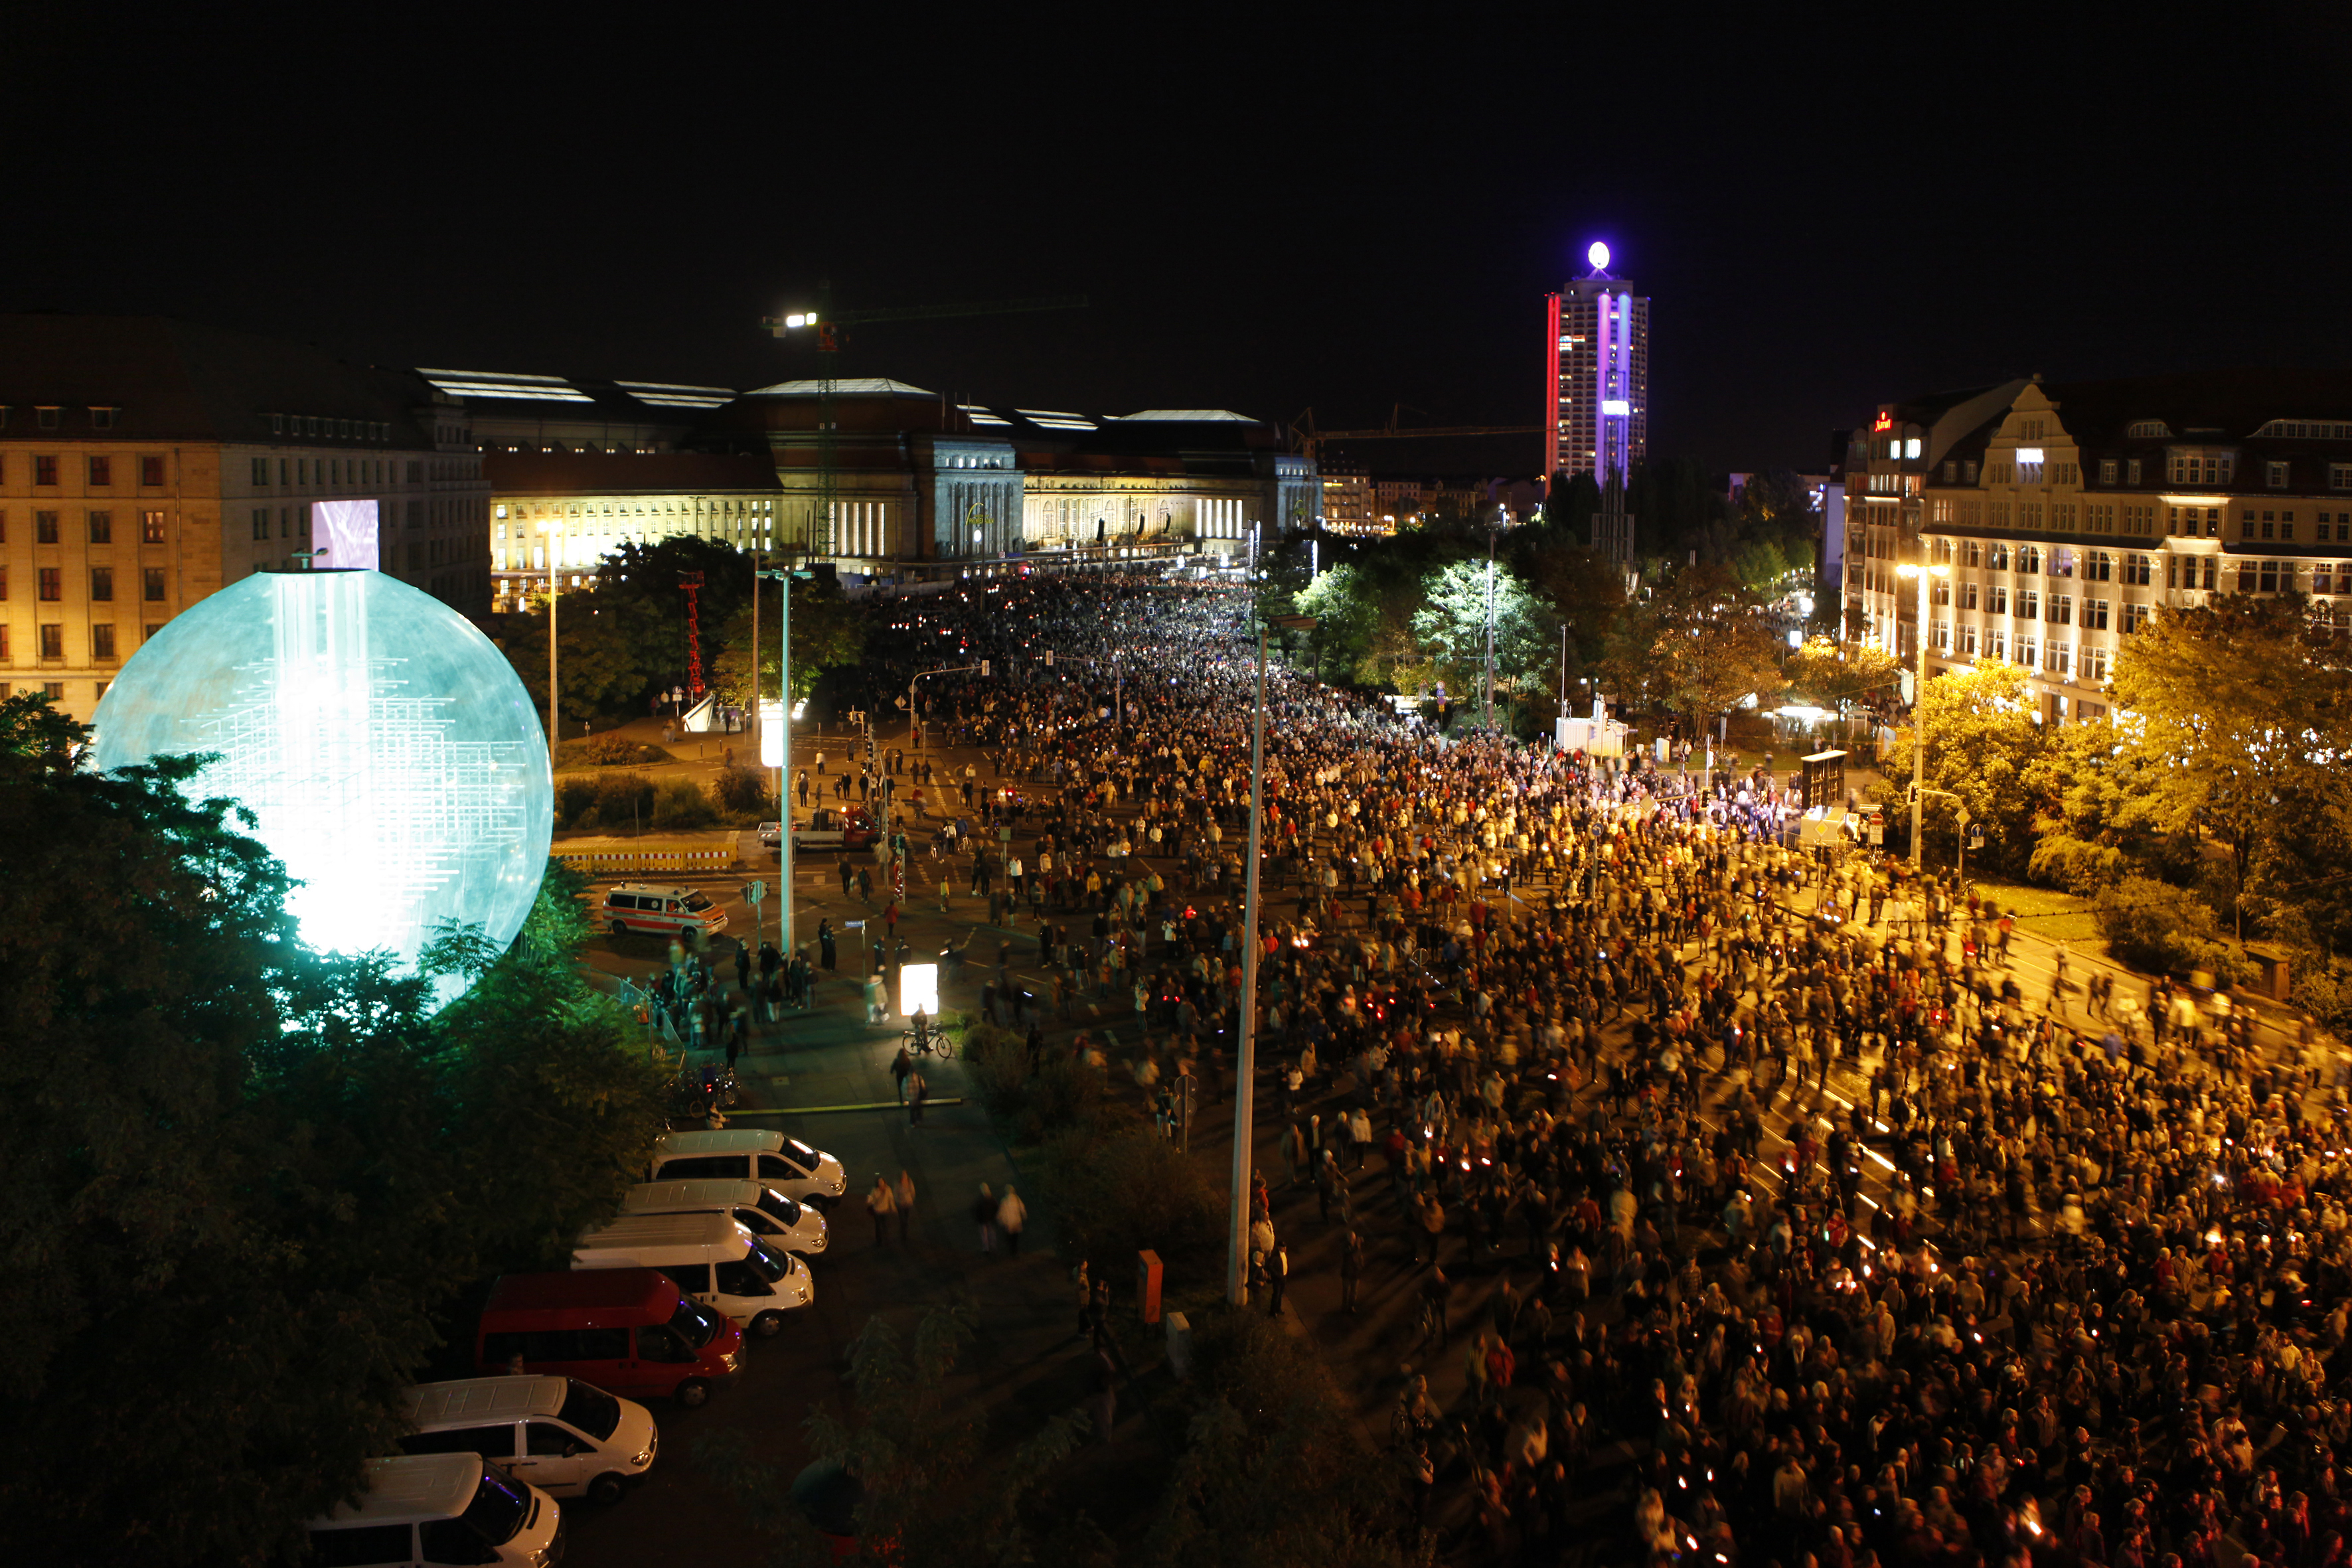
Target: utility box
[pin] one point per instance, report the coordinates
(1180, 1344)
(1147, 1285)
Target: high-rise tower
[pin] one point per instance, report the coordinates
(1597, 357)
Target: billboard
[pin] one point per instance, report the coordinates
(771, 732)
(344, 534)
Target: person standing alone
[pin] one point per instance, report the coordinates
(1012, 1214)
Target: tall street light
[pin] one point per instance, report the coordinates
(1919, 701)
(784, 737)
(552, 532)
(1246, 1062)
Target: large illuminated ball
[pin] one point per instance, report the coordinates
(390, 758)
(1597, 254)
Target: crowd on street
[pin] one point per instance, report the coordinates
(1814, 1226)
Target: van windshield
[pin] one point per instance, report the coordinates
(782, 1207)
(499, 1509)
(770, 1267)
(698, 1323)
(591, 1410)
(805, 1157)
(697, 902)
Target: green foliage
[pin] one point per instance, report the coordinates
(35, 737)
(1116, 1193)
(602, 646)
(1832, 675)
(2166, 929)
(680, 804)
(1986, 745)
(1451, 624)
(1276, 1471)
(609, 750)
(742, 792)
(244, 1178)
(933, 1492)
(1063, 1093)
(828, 633)
(1697, 646)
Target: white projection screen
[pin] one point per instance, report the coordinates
(345, 533)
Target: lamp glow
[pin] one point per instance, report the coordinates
(1597, 254)
(390, 757)
(918, 987)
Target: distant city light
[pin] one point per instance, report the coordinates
(1599, 256)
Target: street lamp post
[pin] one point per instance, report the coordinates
(783, 739)
(1919, 701)
(552, 532)
(1245, 1038)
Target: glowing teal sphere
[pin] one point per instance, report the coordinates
(390, 757)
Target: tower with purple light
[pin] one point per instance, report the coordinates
(1597, 382)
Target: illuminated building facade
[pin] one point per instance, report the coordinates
(922, 484)
(2070, 515)
(146, 464)
(578, 507)
(1348, 503)
(1597, 374)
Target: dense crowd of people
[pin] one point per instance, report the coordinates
(1817, 1232)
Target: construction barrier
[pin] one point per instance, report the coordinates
(612, 859)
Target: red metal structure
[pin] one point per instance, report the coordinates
(692, 582)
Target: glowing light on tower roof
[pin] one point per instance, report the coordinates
(1597, 254)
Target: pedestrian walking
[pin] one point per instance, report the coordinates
(901, 1065)
(906, 1202)
(1277, 1275)
(826, 939)
(1012, 1214)
(881, 1202)
(983, 1215)
(918, 1091)
(1351, 1270)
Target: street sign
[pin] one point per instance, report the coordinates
(754, 892)
(854, 925)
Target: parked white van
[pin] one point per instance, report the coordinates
(712, 1258)
(434, 1509)
(747, 1155)
(782, 1222)
(566, 1437)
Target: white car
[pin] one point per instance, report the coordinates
(781, 1222)
(748, 1154)
(566, 1437)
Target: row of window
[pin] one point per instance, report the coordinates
(48, 527)
(2184, 469)
(49, 581)
(334, 471)
(340, 429)
(50, 640)
(2030, 559)
(52, 415)
(54, 689)
(97, 470)
(2052, 659)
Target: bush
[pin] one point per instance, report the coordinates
(574, 796)
(1062, 1094)
(681, 803)
(1115, 1194)
(2166, 929)
(1275, 1468)
(742, 792)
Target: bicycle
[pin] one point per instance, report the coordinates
(929, 1042)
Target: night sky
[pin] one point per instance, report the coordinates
(1342, 208)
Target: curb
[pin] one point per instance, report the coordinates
(823, 1109)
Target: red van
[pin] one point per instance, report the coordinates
(629, 1331)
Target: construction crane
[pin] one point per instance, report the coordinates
(1310, 441)
(829, 324)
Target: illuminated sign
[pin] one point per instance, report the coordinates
(1616, 405)
(919, 987)
(771, 732)
(344, 531)
(389, 754)
(1884, 422)
(2029, 454)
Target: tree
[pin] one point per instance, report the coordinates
(1699, 645)
(600, 644)
(930, 1492)
(1451, 624)
(1986, 745)
(244, 1179)
(1573, 500)
(1834, 674)
(2239, 718)
(828, 633)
